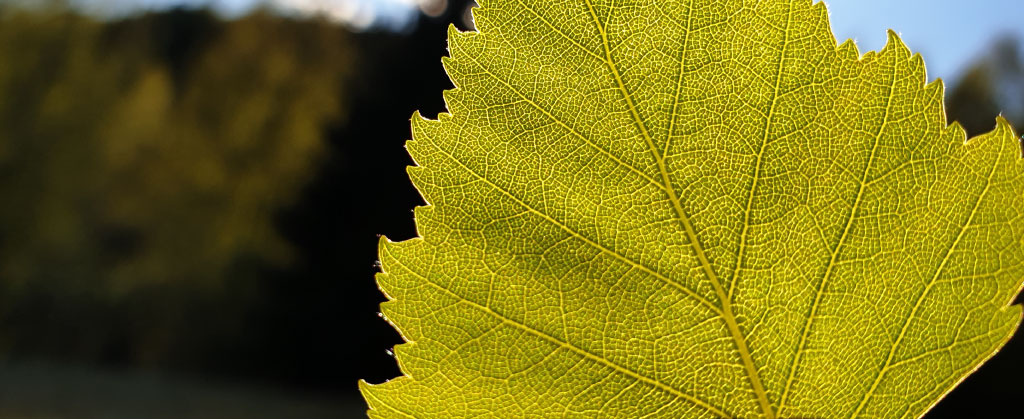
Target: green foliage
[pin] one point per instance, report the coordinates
(145, 158)
(695, 209)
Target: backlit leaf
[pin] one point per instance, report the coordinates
(700, 209)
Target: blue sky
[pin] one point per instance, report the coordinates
(949, 33)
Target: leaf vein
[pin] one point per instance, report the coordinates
(554, 28)
(760, 154)
(585, 239)
(565, 344)
(727, 315)
(917, 304)
(862, 185)
(562, 124)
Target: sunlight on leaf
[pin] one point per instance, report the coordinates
(695, 209)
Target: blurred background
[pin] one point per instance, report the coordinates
(191, 192)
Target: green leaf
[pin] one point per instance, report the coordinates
(695, 209)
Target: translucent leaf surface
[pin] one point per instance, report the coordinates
(697, 209)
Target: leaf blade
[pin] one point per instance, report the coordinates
(597, 207)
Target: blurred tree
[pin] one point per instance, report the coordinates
(141, 164)
(992, 85)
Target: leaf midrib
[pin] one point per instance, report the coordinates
(698, 249)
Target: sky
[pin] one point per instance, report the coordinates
(948, 33)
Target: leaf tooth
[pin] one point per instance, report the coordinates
(404, 352)
(375, 394)
(894, 45)
(426, 219)
(383, 284)
(391, 313)
(451, 68)
(956, 132)
(454, 100)
(385, 278)
(458, 38)
(420, 177)
(937, 87)
(391, 252)
(458, 73)
(369, 390)
(934, 106)
(398, 297)
(917, 69)
(848, 51)
(1001, 131)
(460, 46)
(824, 27)
(425, 134)
(1003, 124)
(416, 115)
(481, 14)
(424, 131)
